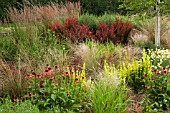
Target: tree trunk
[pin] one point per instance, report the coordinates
(157, 25)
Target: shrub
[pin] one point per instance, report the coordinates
(72, 29)
(91, 19)
(117, 32)
(134, 73)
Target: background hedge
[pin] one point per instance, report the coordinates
(96, 7)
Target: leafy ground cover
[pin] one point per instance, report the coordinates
(84, 64)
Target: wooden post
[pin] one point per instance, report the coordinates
(157, 24)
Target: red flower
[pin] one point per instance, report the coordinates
(160, 88)
(14, 100)
(38, 76)
(165, 72)
(166, 80)
(30, 94)
(76, 80)
(33, 73)
(45, 72)
(90, 33)
(82, 77)
(27, 76)
(41, 84)
(68, 94)
(148, 87)
(66, 74)
(163, 69)
(145, 75)
(30, 75)
(56, 67)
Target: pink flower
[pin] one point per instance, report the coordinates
(76, 80)
(27, 76)
(30, 94)
(163, 69)
(160, 88)
(38, 76)
(45, 72)
(165, 72)
(66, 74)
(148, 87)
(14, 100)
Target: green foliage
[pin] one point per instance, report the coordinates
(159, 58)
(158, 90)
(108, 95)
(91, 19)
(7, 106)
(59, 88)
(99, 7)
(134, 73)
(8, 50)
(144, 7)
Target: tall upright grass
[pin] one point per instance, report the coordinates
(108, 95)
(45, 14)
(147, 28)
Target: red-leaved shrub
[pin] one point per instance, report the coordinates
(117, 32)
(72, 29)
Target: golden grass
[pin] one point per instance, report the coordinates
(43, 14)
(12, 79)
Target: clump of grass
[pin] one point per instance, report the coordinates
(43, 14)
(91, 53)
(12, 79)
(147, 28)
(108, 95)
(12, 107)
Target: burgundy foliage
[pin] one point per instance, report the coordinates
(117, 31)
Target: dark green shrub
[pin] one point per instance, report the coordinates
(92, 20)
(99, 7)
